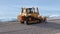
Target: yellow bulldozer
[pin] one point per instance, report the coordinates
(31, 15)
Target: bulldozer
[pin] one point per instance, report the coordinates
(31, 15)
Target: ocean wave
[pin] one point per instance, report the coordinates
(54, 16)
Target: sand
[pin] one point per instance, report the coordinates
(52, 27)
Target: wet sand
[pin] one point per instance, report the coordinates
(52, 27)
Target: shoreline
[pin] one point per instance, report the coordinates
(48, 19)
(52, 26)
(13, 22)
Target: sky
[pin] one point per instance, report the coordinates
(11, 8)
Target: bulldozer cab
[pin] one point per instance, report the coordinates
(30, 12)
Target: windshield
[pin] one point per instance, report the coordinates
(30, 10)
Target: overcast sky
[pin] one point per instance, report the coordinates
(11, 8)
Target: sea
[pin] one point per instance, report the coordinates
(48, 14)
